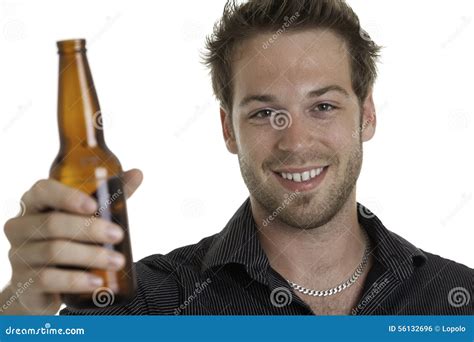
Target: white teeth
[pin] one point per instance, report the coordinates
(297, 177)
(302, 177)
(305, 176)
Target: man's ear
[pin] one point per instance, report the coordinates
(369, 118)
(228, 132)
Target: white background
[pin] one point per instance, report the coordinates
(160, 116)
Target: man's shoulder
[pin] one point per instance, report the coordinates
(445, 269)
(440, 286)
(443, 285)
(435, 270)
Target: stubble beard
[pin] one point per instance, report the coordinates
(300, 210)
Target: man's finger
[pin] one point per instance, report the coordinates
(51, 194)
(131, 181)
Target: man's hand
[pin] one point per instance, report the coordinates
(43, 238)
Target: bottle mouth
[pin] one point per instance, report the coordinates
(71, 46)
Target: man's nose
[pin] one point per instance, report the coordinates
(296, 135)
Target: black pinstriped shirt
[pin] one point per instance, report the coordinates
(229, 274)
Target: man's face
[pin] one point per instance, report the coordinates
(294, 111)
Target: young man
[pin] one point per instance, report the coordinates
(295, 80)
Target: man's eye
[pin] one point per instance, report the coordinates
(325, 107)
(261, 114)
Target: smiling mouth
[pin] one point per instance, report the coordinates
(302, 175)
(301, 179)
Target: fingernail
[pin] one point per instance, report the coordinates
(114, 233)
(95, 281)
(115, 260)
(89, 205)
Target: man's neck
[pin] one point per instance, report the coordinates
(318, 258)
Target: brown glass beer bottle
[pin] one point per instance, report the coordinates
(85, 162)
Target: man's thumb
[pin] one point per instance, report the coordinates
(131, 181)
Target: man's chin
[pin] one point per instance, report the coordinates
(299, 222)
(302, 212)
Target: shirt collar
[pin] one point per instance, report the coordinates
(238, 243)
(392, 251)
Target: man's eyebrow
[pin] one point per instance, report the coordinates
(321, 91)
(313, 93)
(259, 98)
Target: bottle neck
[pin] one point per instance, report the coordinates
(79, 116)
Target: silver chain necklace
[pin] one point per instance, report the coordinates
(329, 292)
